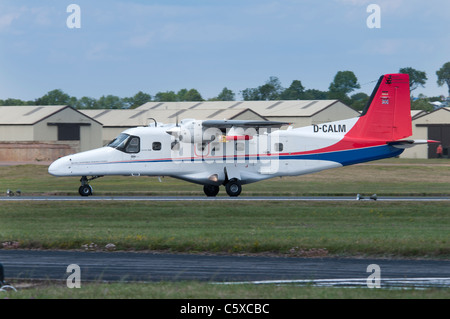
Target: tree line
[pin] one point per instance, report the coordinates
(343, 84)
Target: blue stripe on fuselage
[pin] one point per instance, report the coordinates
(353, 156)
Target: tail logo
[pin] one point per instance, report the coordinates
(389, 79)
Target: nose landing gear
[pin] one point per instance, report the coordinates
(86, 189)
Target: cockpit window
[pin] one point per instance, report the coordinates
(126, 143)
(119, 141)
(133, 145)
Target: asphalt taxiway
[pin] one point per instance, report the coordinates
(138, 266)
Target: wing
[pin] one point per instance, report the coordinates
(220, 124)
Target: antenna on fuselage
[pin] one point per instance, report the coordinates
(156, 123)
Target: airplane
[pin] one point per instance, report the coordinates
(233, 153)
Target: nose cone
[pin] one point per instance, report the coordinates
(60, 167)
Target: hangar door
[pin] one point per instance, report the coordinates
(68, 131)
(439, 132)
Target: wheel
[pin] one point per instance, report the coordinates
(85, 190)
(211, 190)
(233, 188)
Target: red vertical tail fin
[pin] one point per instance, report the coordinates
(387, 115)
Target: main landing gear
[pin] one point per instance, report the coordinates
(233, 188)
(211, 190)
(86, 189)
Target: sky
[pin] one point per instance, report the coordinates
(123, 47)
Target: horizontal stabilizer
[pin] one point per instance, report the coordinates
(410, 143)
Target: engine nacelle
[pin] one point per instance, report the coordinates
(192, 131)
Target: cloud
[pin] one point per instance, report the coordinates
(42, 15)
(141, 40)
(7, 19)
(97, 51)
(19, 19)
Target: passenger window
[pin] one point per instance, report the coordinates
(240, 147)
(215, 148)
(278, 147)
(201, 147)
(156, 146)
(133, 145)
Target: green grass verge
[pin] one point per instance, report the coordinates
(293, 228)
(203, 290)
(386, 177)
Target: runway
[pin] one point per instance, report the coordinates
(220, 198)
(151, 267)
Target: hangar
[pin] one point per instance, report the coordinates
(299, 113)
(44, 133)
(434, 125)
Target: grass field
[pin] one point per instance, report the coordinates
(306, 229)
(400, 229)
(204, 290)
(385, 177)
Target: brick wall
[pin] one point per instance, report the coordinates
(35, 151)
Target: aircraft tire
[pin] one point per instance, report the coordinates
(85, 190)
(211, 190)
(233, 188)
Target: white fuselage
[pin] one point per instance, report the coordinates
(263, 155)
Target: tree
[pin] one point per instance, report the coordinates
(359, 101)
(422, 104)
(87, 103)
(137, 100)
(443, 75)
(313, 94)
(192, 95)
(184, 95)
(169, 96)
(181, 95)
(293, 92)
(15, 102)
(55, 97)
(110, 102)
(416, 78)
(226, 95)
(271, 90)
(344, 82)
(73, 101)
(250, 94)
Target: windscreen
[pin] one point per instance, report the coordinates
(126, 143)
(119, 142)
